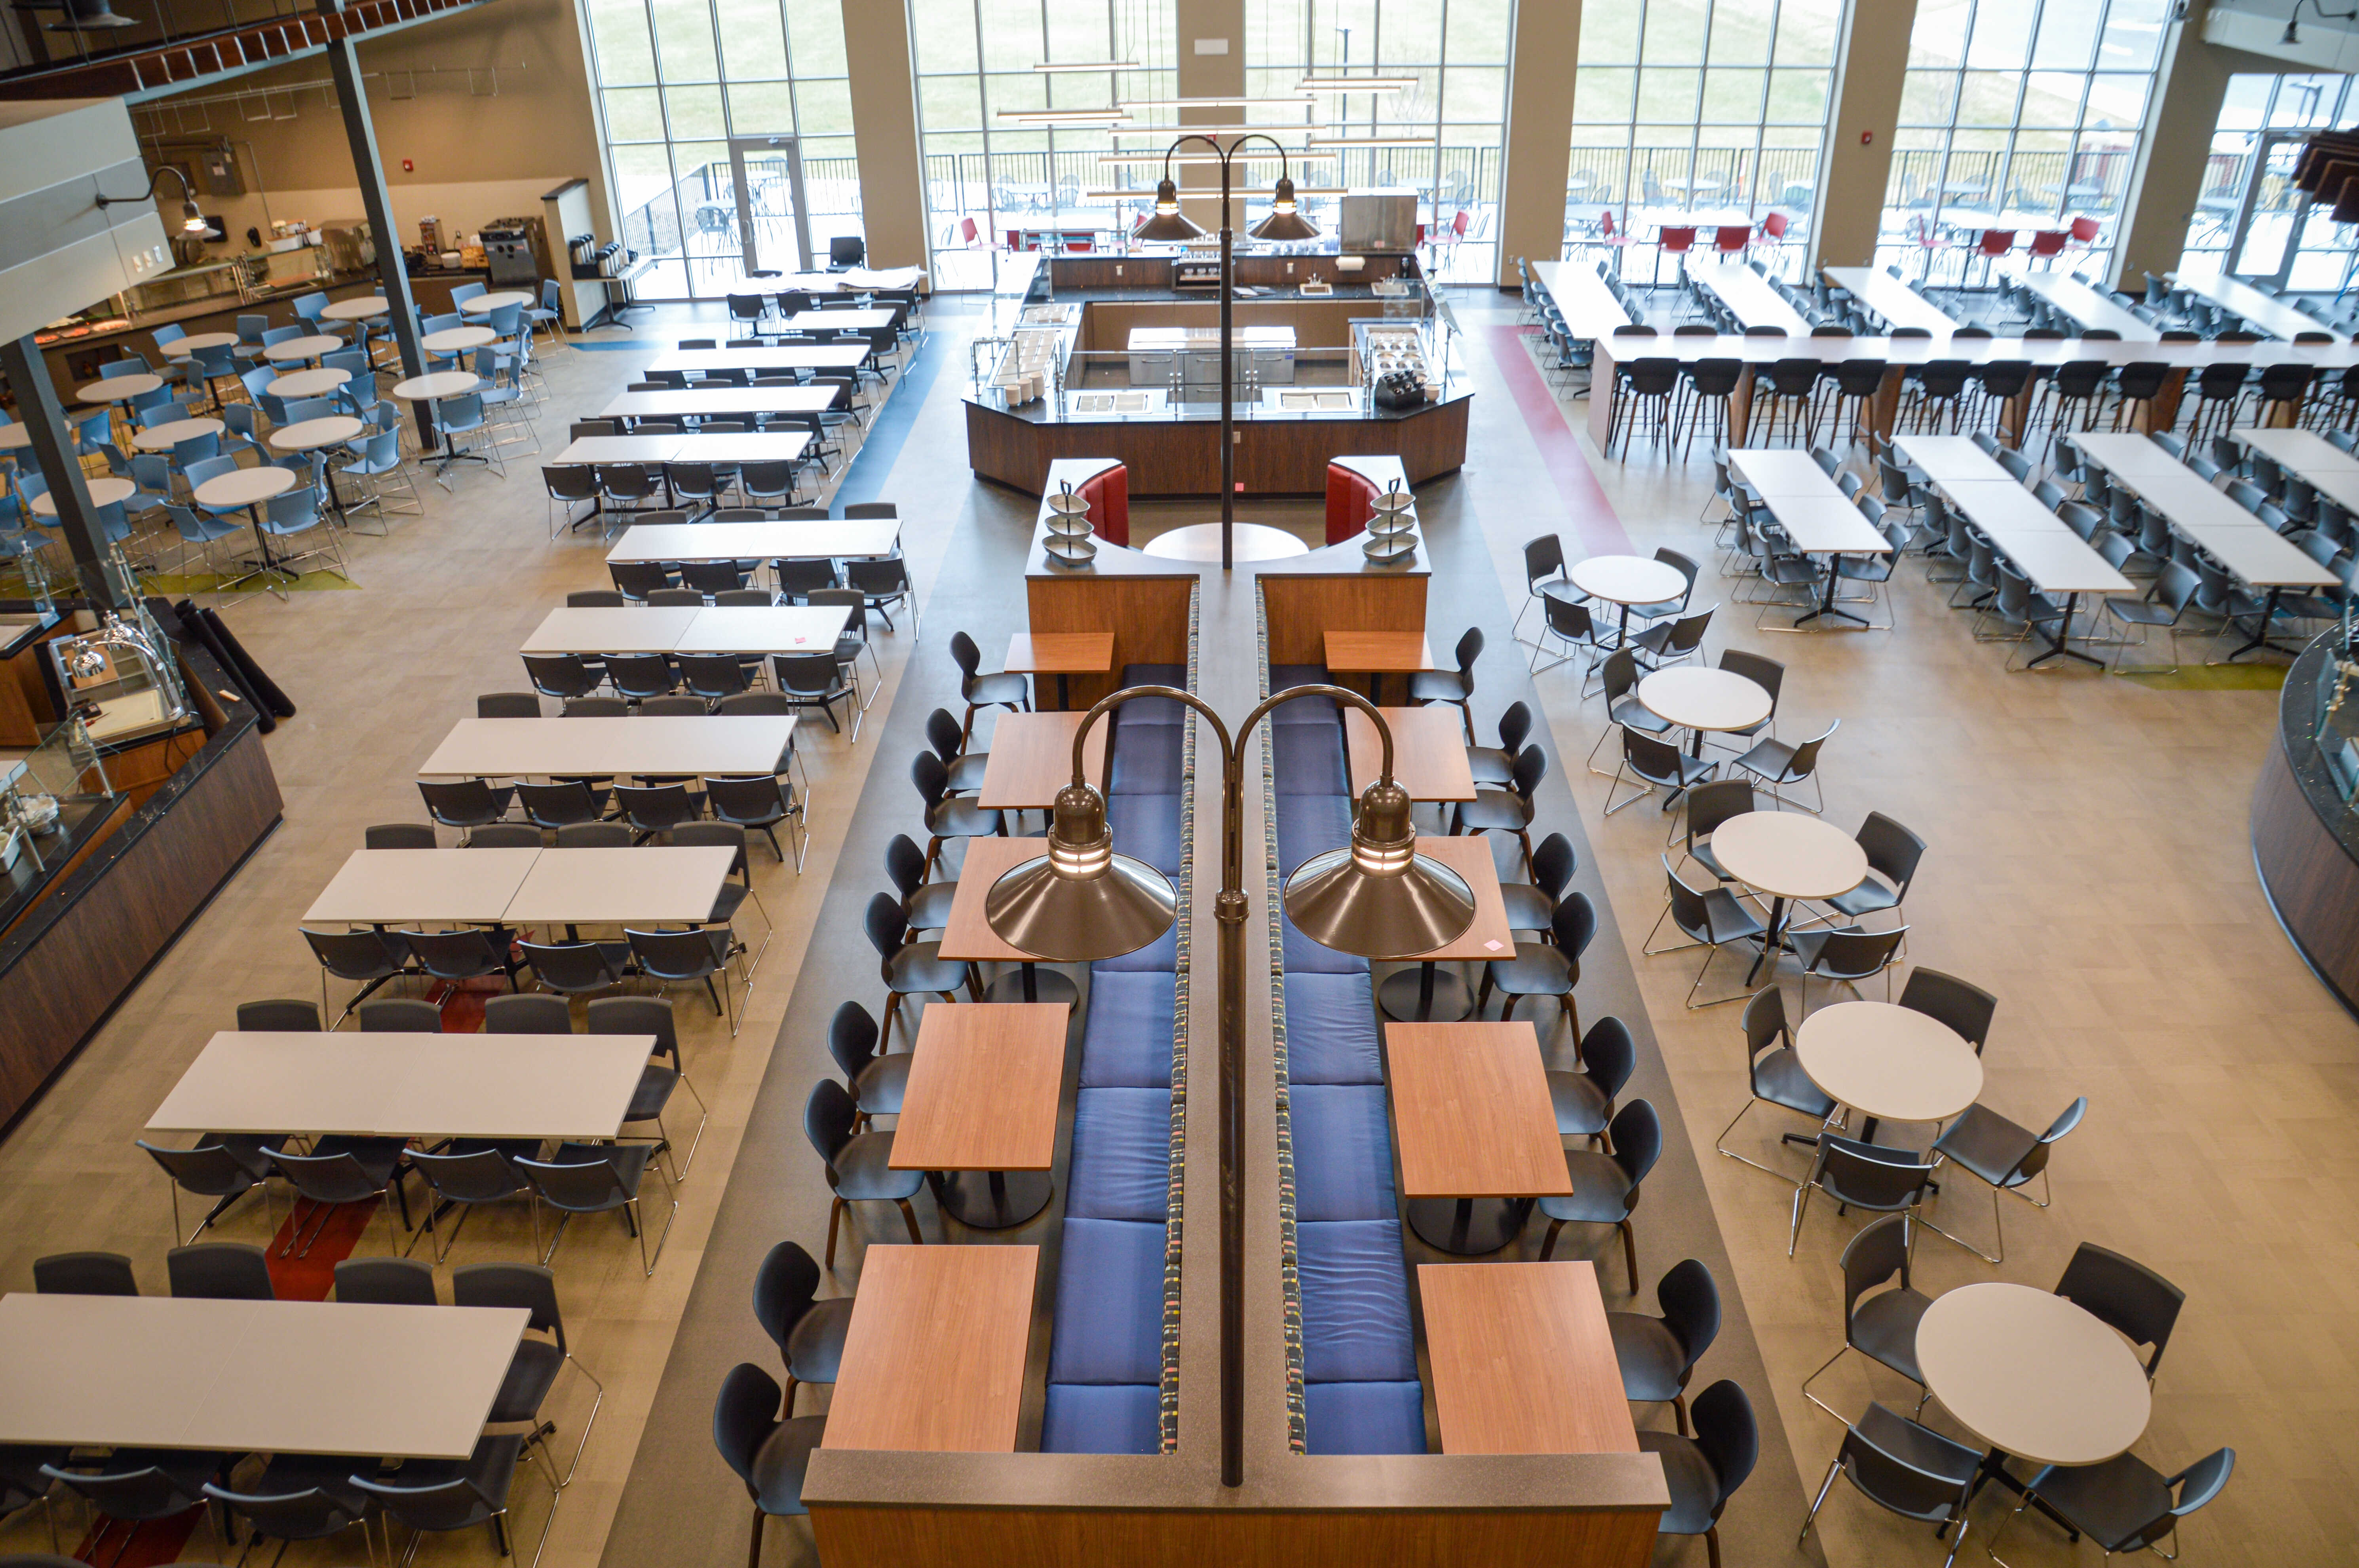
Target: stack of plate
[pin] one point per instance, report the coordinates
(1392, 532)
(1069, 528)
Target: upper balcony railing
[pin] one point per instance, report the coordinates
(153, 67)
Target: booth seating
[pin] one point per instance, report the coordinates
(1108, 493)
(1359, 1357)
(1105, 1360)
(1350, 503)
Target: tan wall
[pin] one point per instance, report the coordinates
(1203, 75)
(884, 131)
(1539, 132)
(1853, 176)
(2181, 117)
(473, 159)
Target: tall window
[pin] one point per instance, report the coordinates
(992, 180)
(2282, 237)
(1440, 137)
(677, 79)
(1705, 112)
(2017, 115)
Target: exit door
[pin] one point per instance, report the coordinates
(773, 225)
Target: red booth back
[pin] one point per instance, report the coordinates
(1350, 499)
(1109, 497)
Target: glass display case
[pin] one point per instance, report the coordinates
(2334, 724)
(119, 684)
(28, 604)
(46, 797)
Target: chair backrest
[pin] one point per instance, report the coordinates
(1806, 756)
(1765, 1023)
(84, 1274)
(2035, 1158)
(2125, 1293)
(1635, 1135)
(826, 1120)
(507, 704)
(852, 1039)
(784, 1288)
(220, 1270)
(1892, 1482)
(1874, 1255)
(525, 1285)
(1869, 1175)
(1726, 1433)
(744, 1414)
(280, 1016)
(636, 1015)
(399, 1015)
(1690, 1303)
(385, 1282)
(595, 835)
(1573, 923)
(1470, 648)
(1893, 851)
(1530, 767)
(943, 734)
(1852, 955)
(1553, 864)
(536, 1013)
(1963, 1006)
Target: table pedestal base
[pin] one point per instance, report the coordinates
(992, 1200)
(1466, 1226)
(1425, 995)
(1044, 985)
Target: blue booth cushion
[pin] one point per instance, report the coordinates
(1354, 1302)
(1312, 825)
(1146, 828)
(1147, 759)
(1162, 954)
(1284, 676)
(1330, 1030)
(1305, 760)
(1109, 1323)
(1126, 1038)
(1102, 1418)
(1305, 957)
(1122, 1155)
(1342, 1152)
(1155, 675)
(1364, 1417)
(1146, 710)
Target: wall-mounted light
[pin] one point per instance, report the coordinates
(191, 221)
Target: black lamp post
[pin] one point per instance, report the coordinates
(1169, 224)
(1379, 899)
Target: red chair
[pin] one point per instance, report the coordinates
(1108, 493)
(1080, 244)
(1729, 239)
(2085, 231)
(2048, 244)
(1926, 243)
(1994, 243)
(1678, 242)
(1773, 230)
(1350, 503)
(1616, 240)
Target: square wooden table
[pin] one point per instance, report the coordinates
(1061, 654)
(934, 1361)
(1377, 655)
(968, 936)
(1428, 752)
(246, 1376)
(1474, 1120)
(669, 884)
(1523, 1361)
(981, 1103)
(1032, 758)
(1427, 994)
(409, 887)
(408, 1085)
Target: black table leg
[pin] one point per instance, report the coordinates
(1827, 605)
(1458, 1227)
(2058, 643)
(992, 1200)
(2260, 638)
(1429, 996)
(1772, 938)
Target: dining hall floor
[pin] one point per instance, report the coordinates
(2089, 863)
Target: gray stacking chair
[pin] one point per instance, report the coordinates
(1882, 1327)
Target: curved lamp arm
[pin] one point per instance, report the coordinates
(191, 221)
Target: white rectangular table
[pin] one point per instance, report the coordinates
(409, 887)
(840, 537)
(1891, 300)
(1587, 304)
(612, 629)
(586, 449)
(718, 402)
(1784, 472)
(653, 884)
(756, 629)
(360, 1085)
(244, 1376)
(695, 447)
(1818, 517)
(1748, 295)
(2086, 304)
(766, 361)
(596, 748)
(2301, 451)
(2262, 312)
(842, 320)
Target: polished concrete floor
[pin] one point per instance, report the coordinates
(2089, 863)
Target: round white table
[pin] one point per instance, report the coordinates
(451, 339)
(1201, 542)
(1698, 698)
(1627, 580)
(364, 308)
(427, 389)
(297, 349)
(195, 340)
(119, 389)
(484, 304)
(1889, 1063)
(305, 435)
(164, 438)
(104, 492)
(1787, 856)
(309, 382)
(15, 436)
(246, 489)
(2030, 1374)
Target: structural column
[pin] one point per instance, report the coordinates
(1211, 39)
(352, 93)
(1539, 134)
(884, 131)
(1856, 162)
(2182, 113)
(53, 449)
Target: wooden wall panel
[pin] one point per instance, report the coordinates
(920, 1537)
(1303, 610)
(1147, 615)
(62, 972)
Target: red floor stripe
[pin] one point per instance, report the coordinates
(1592, 517)
(151, 1544)
(310, 1277)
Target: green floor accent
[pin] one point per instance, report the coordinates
(2259, 675)
(210, 582)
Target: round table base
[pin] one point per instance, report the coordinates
(1466, 1226)
(1398, 995)
(992, 1200)
(1047, 985)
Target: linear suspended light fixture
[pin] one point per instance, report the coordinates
(1057, 65)
(1228, 130)
(1356, 83)
(1140, 193)
(1293, 99)
(1207, 160)
(1106, 117)
(1340, 143)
